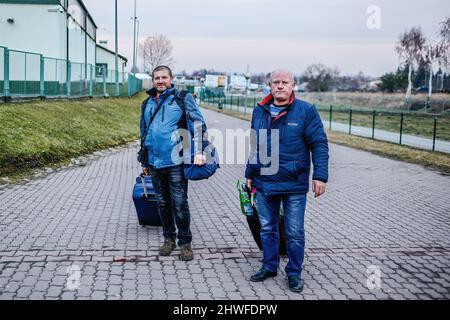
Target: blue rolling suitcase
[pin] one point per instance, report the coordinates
(145, 202)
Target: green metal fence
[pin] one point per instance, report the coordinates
(3, 71)
(431, 127)
(29, 74)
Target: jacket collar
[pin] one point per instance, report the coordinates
(267, 101)
(152, 92)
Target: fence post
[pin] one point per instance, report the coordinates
(129, 85)
(331, 115)
(373, 123)
(81, 79)
(25, 75)
(69, 78)
(434, 133)
(91, 73)
(6, 88)
(237, 107)
(245, 103)
(401, 128)
(41, 78)
(117, 83)
(104, 81)
(350, 122)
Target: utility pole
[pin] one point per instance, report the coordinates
(137, 43)
(117, 53)
(247, 78)
(134, 39)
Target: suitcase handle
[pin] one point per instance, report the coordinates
(143, 184)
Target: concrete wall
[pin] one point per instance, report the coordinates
(34, 29)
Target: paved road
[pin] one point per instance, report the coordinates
(377, 215)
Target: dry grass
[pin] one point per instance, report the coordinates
(364, 100)
(36, 134)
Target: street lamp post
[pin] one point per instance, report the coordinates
(247, 78)
(137, 44)
(134, 38)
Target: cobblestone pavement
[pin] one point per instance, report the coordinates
(378, 215)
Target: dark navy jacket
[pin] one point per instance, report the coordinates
(301, 137)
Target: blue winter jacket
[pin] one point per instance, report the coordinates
(162, 138)
(301, 135)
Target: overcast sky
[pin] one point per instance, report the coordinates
(269, 34)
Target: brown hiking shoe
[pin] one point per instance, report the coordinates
(167, 247)
(186, 252)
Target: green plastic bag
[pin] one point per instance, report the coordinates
(247, 199)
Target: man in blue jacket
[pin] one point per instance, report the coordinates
(289, 132)
(161, 121)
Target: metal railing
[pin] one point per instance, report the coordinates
(29, 74)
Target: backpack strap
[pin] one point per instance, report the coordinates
(144, 105)
(179, 98)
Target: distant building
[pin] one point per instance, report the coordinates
(375, 85)
(106, 60)
(146, 80)
(238, 82)
(216, 81)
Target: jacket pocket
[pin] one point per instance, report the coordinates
(286, 172)
(301, 166)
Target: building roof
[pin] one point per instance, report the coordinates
(110, 51)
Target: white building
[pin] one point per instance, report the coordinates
(60, 29)
(106, 59)
(238, 82)
(216, 81)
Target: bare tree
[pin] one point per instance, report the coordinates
(335, 71)
(318, 76)
(431, 55)
(409, 48)
(156, 51)
(444, 43)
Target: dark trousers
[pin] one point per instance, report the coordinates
(171, 188)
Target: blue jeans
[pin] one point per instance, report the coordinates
(294, 215)
(171, 191)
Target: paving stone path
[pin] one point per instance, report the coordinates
(73, 234)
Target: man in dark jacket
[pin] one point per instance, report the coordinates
(289, 132)
(161, 121)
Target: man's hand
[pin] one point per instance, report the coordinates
(250, 183)
(146, 171)
(318, 187)
(199, 159)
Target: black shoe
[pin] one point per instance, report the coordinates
(262, 274)
(295, 284)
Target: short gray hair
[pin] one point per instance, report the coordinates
(281, 70)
